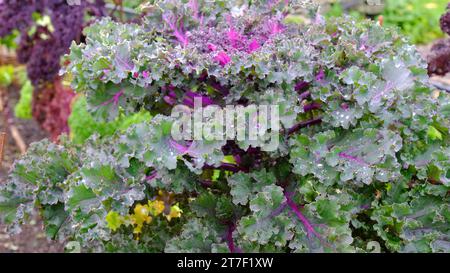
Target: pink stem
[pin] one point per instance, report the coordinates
(229, 238)
(177, 32)
(353, 158)
(308, 226)
(114, 99)
(179, 147)
(152, 176)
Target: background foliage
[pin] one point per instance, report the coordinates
(416, 19)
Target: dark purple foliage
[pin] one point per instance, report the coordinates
(445, 22)
(439, 58)
(42, 49)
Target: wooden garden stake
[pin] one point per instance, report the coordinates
(2, 145)
(15, 134)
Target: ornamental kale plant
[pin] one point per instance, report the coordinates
(362, 163)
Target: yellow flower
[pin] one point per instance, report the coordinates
(137, 229)
(114, 220)
(142, 212)
(175, 212)
(140, 216)
(156, 207)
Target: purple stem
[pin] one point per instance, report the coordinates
(168, 88)
(114, 100)
(238, 159)
(172, 94)
(206, 183)
(188, 102)
(152, 176)
(129, 66)
(169, 100)
(304, 124)
(312, 106)
(304, 95)
(278, 210)
(353, 158)
(189, 99)
(225, 91)
(229, 237)
(177, 32)
(179, 147)
(301, 86)
(308, 226)
(387, 88)
(225, 167)
(193, 4)
(320, 76)
(191, 94)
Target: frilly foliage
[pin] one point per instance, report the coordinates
(371, 172)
